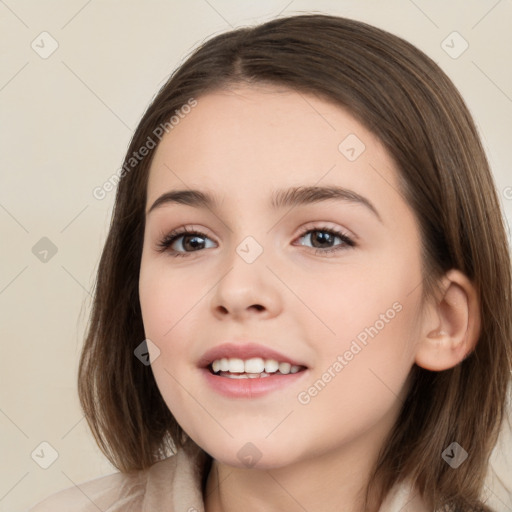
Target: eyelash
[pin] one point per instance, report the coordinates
(169, 239)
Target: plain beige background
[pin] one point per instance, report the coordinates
(67, 118)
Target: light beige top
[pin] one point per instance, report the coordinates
(171, 485)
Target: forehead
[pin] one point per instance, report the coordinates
(253, 139)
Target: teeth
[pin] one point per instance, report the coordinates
(247, 375)
(285, 368)
(271, 366)
(254, 367)
(236, 365)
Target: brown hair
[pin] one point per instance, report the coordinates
(403, 97)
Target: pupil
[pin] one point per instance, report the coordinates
(323, 237)
(193, 240)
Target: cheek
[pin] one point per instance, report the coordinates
(165, 299)
(361, 379)
(165, 303)
(350, 301)
(365, 331)
(170, 305)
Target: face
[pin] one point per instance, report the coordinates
(324, 284)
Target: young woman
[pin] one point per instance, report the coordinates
(305, 293)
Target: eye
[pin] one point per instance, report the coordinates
(182, 239)
(181, 242)
(322, 239)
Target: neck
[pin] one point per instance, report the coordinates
(335, 481)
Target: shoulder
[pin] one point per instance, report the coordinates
(404, 497)
(173, 483)
(119, 491)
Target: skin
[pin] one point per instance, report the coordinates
(241, 144)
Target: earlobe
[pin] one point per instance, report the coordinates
(451, 326)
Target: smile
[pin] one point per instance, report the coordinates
(253, 368)
(249, 370)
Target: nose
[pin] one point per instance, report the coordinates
(246, 290)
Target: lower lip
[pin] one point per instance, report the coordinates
(250, 388)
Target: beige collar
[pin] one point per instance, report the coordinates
(172, 489)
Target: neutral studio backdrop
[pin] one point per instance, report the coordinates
(75, 78)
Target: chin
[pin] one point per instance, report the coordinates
(258, 454)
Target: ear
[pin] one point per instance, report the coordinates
(451, 324)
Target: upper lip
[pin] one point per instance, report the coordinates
(243, 351)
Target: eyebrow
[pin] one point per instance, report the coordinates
(282, 198)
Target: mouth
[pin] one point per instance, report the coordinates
(253, 368)
(240, 370)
